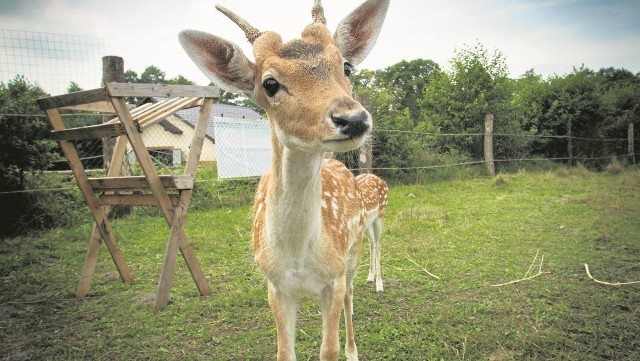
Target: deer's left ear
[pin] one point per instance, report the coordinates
(357, 33)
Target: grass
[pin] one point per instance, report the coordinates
(472, 233)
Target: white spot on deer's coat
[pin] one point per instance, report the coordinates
(335, 207)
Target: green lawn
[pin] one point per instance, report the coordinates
(472, 234)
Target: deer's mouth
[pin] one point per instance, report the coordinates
(343, 143)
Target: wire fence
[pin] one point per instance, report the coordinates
(237, 141)
(53, 60)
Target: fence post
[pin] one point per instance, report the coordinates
(631, 152)
(569, 143)
(112, 71)
(365, 155)
(488, 144)
(365, 158)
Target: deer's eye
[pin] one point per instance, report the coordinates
(348, 69)
(271, 86)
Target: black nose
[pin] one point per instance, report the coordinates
(351, 125)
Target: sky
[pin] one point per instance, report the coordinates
(548, 36)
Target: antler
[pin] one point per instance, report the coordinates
(249, 31)
(317, 12)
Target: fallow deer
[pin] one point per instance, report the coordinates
(309, 216)
(375, 195)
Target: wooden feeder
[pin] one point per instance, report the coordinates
(148, 190)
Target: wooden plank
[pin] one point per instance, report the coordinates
(161, 90)
(55, 119)
(134, 199)
(195, 150)
(140, 150)
(89, 265)
(92, 201)
(160, 193)
(183, 182)
(177, 223)
(171, 251)
(185, 197)
(177, 238)
(100, 107)
(71, 99)
(139, 183)
(165, 109)
(108, 130)
(135, 110)
(90, 261)
(160, 110)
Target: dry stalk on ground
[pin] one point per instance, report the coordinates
(422, 268)
(527, 276)
(586, 268)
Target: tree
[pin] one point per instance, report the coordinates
(89, 150)
(620, 103)
(571, 107)
(239, 100)
(456, 101)
(153, 75)
(406, 82)
(25, 142)
(180, 80)
(393, 144)
(26, 149)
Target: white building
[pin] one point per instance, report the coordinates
(168, 140)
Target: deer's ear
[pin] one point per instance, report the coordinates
(357, 33)
(221, 61)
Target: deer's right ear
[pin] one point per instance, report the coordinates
(220, 60)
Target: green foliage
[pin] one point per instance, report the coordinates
(153, 75)
(25, 148)
(239, 100)
(406, 82)
(458, 100)
(25, 143)
(588, 105)
(391, 96)
(213, 193)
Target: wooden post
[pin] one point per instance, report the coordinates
(365, 159)
(365, 156)
(488, 144)
(569, 142)
(631, 152)
(112, 71)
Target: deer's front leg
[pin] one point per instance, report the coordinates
(350, 348)
(331, 305)
(284, 310)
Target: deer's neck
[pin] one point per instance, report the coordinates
(294, 198)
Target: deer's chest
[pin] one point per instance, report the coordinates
(306, 271)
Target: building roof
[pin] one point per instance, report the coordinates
(190, 115)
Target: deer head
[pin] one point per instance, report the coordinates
(303, 84)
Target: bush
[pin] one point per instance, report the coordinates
(49, 202)
(210, 192)
(615, 167)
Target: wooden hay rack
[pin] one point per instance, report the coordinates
(171, 193)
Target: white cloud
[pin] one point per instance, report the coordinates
(542, 35)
